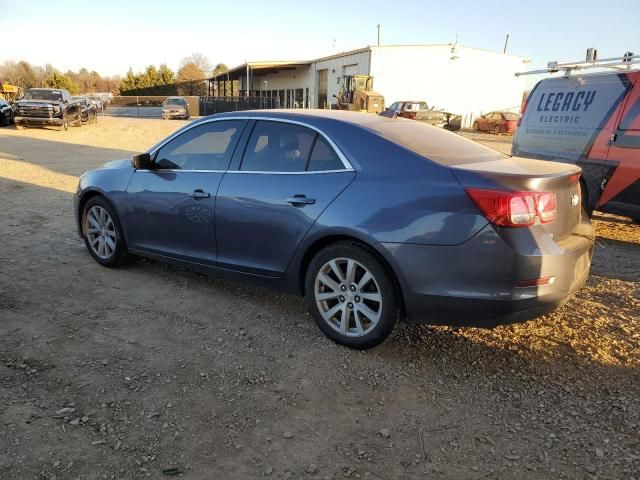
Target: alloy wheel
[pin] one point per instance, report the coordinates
(101, 232)
(348, 297)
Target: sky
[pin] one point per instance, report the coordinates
(111, 36)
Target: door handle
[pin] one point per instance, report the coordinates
(198, 194)
(300, 200)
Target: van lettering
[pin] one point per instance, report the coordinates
(577, 105)
(567, 102)
(556, 104)
(540, 102)
(548, 102)
(589, 99)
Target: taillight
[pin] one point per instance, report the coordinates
(522, 110)
(515, 209)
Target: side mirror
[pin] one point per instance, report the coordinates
(142, 161)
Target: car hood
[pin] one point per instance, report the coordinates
(37, 103)
(118, 163)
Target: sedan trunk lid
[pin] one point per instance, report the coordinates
(516, 174)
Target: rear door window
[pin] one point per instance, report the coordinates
(278, 147)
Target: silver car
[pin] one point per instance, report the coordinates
(175, 107)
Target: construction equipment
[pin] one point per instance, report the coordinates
(10, 92)
(357, 95)
(626, 62)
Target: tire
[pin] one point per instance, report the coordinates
(476, 127)
(109, 248)
(497, 130)
(65, 124)
(351, 319)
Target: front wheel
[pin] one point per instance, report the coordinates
(102, 233)
(351, 296)
(476, 127)
(65, 124)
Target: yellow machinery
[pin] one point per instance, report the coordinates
(357, 95)
(10, 92)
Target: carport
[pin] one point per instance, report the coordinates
(285, 80)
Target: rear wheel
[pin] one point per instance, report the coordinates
(102, 233)
(497, 130)
(351, 296)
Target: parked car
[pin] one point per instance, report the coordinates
(97, 101)
(89, 111)
(420, 111)
(365, 216)
(593, 121)
(45, 107)
(175, 107)
(496, 122)
(6, 113)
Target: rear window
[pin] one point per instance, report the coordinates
(436, 144)
(415, 106)
(510, 116)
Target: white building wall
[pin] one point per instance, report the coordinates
(476, 82)
(337, 66)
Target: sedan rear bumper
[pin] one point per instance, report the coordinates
(475, 284)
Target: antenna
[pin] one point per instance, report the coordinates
(378, 34)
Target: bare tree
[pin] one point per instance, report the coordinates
(199, 60)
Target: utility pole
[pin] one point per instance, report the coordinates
(378, 34)
(506, 42)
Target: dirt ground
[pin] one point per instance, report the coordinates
(153, 371)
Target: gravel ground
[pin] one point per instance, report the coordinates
(152, 371)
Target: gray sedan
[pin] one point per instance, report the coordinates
(371, 219)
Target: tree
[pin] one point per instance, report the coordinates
(62, 81)
(219, 68)
(191, 80)
(190, 72)
(165, 74)
(200, 61)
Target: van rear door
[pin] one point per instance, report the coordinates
(566, 119)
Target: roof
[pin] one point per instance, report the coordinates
(431, 142)
(273, 66)
(264, 67)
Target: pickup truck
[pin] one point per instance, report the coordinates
(47, 107)
(420, 111)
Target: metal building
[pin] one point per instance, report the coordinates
(464, 80)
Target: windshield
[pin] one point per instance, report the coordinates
(510, 116)
(35, 94)
(174, 101)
